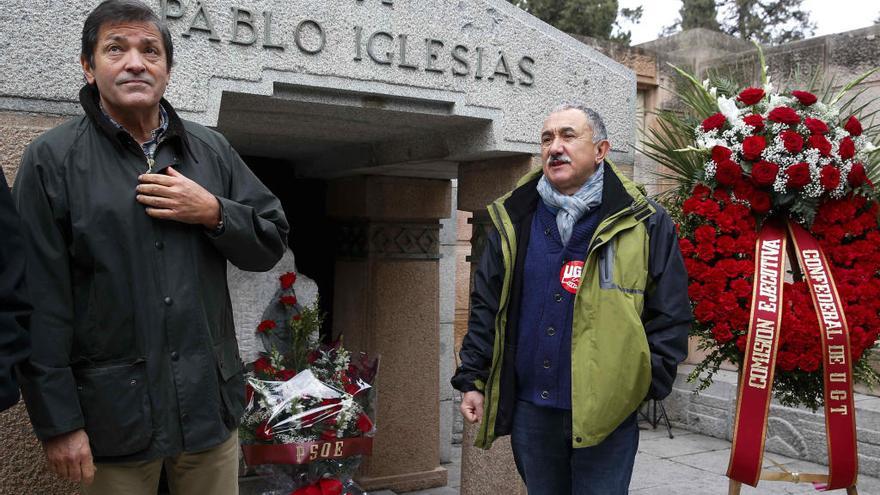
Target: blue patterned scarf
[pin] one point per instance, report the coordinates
(572, 208)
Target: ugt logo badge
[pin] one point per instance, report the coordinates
(570, 276)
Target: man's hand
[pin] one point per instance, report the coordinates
(472, 406)
(70, 457)
(174, 197)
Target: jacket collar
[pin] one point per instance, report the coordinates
(176, 134)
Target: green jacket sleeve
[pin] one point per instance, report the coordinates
(46, 379)
(254, 233)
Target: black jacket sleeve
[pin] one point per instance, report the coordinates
(254, 234)
(477, 346)
(14, 310)
(667, 314)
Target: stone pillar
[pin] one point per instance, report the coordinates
(492, 471)
(386, 303)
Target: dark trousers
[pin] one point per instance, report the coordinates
(548, 464)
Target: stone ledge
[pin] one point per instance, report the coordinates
(794, 432)
(406, 482)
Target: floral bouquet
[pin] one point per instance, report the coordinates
(739, 158)
(309, 406)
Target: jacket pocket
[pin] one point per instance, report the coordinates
(116, 405)
(232, 381)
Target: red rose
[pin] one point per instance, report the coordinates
(713, 122)
(287, 280)
(804, 97)
(819, 142)
(784, 115)
(753, 146)
(792, 141)
(853, 126)
(265, 326)
(264, 432)
(727, 173)
(288, 300)
(263, 365)
(743, 189)
(760, 202)
(720, 154)
(764, 173)
(857, 175)
(816, 126)
(364, 424)
(798, 175)
(755, 121)
(829, 177)
(750, 96)
(847, 148)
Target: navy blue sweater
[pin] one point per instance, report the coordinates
(543, 357)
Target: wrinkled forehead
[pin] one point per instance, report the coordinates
(133, 32)
(567, 119)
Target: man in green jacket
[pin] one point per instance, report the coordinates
(579, 312)
(129, 216)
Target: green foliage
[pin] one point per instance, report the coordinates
(699, 14)
(593, 18)
(765, 21)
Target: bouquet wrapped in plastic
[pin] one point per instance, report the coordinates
(309, 406)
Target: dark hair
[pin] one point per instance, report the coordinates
(118, 11)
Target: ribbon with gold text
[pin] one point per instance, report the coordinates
(756, 379)
(304, 453)
(840, 421)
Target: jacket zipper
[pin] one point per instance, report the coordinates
(634, 209)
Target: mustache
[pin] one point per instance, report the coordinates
(564, 158)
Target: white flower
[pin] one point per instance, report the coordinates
(728, 108)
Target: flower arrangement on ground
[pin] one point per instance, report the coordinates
(742, 158)
(309, 405)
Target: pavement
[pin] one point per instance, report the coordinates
(688, 463)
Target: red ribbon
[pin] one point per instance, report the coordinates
(756, 380)
(304, 453)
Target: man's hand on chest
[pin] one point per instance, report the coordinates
(175, 197)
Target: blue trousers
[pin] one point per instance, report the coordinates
(541, 440)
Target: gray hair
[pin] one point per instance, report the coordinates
(594, 120)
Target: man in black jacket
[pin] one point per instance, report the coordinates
(130, 215)
(14, 311)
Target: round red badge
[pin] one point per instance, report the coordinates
(570, 276)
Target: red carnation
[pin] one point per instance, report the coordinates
(750, 96)
(287, 280)
(853, 126)
(720, 154)
(288, 300)
(330, 486)
(847, 148)
(816, 126)
(804, 97)
(784, 115)
(792, 141)
(364, 424)
(262, 365)
(722, 333)
(264, 432)
(285, 375)
(857, 175)
(727, 173)
(755, 121)
(798, 175)
(829, 177)
(821, 143)
(753, 146)
(760, 202)
(265, 326)
(713, 122)
(705, 234)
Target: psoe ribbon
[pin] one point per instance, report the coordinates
(304, 453)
